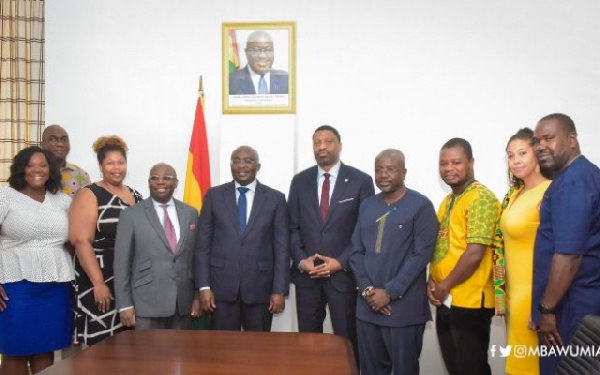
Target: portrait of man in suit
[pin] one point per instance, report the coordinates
(242, 249)
(258, 76)
(323, 208)
(391, 247)
(154, 258)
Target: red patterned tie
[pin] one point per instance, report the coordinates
(324, 204)
(169, 230)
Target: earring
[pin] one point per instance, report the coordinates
(537, 168)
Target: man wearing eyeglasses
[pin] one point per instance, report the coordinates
(154, 258)
(258, 77)
(242, 249)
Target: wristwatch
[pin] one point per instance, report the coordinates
(546, 310)
(367, 291)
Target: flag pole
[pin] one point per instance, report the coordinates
(198, 174)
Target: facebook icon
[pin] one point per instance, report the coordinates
(493, 351)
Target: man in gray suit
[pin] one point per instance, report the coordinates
(154, 258)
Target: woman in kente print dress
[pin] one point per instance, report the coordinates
(93, 220)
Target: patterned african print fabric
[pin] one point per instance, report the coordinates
(73, 178)
(498, 257)
(467, 218)
(91, 325)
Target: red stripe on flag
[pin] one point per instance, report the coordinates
(197, 179)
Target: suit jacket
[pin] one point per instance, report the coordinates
(148, 275)
(309, 234)
(240, 82)
(254, 265)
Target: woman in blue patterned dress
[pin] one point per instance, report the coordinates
(93, 223)
(35, 266)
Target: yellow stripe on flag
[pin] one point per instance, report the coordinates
(197, 176)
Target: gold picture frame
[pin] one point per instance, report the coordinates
(260, 79)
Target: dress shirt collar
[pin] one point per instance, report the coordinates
(251, 186)
(333, 172)
(254, 75)
(158, 205)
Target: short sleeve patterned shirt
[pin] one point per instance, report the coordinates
(468, 218)
(73, 178)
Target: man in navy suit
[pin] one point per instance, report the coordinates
(322, 208)
(391, 247)
(258, 77)
(242, 249)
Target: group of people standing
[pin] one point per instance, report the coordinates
(376, 261)
(49, 212)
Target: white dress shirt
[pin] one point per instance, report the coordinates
(249, 196)
(172, 215)
(333, 174)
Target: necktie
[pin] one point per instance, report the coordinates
(324, 204)
(169, 230)
(242, 204)
(262, 85)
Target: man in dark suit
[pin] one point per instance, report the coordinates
(154, 258)
(323, 207)
(242, 251)
(258, 77)
(391, 246)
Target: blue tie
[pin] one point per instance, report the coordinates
(242, 204)
(262, 85)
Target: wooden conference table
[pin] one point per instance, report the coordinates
(167, 352)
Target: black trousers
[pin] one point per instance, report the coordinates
(310, 306)
(464, 338)
(237, 315)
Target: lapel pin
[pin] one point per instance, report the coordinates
(346, 180)
(192, 226)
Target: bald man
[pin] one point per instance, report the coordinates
(154, 258)
(258, 77)
(392, 243)
(56, 140)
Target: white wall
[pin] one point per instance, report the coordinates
(389, 73)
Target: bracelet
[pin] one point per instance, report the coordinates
(367, 291)
(544, 310)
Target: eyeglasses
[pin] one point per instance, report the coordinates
(388, 170)
(164, 178)
(244, 162)
(258, 51)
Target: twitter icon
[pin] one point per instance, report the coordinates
(504, 350)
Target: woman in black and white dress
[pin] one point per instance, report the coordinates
(93, 223)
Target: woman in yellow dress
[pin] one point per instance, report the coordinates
(519, 222)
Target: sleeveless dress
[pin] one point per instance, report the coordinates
(519, 224)
(91, 325)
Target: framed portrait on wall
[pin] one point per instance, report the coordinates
(259, 64)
